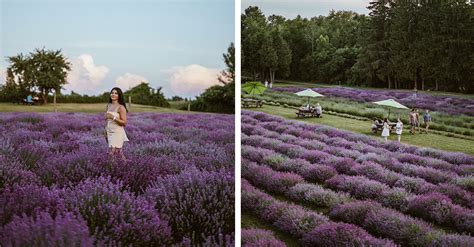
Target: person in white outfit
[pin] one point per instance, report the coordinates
(399, 129)
(319, 110)
(386, 129)
(116, 117)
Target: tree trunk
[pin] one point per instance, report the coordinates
(389, 83)
(436, 84)
(44, 93)
(273, 77)
(416, 85)
(422, 84)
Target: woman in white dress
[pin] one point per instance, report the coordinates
(116, 117)
(399, 129)
(386, 129)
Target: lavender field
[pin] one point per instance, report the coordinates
(327, 187)
(446, 104)
(59, 188)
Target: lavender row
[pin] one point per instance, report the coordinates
(310, 228)
(339, 203)
(372, 170)
(317, 138)
(456, 158)
(461, 219)
(294, 149)
(449, 104)
(385, 168)
(341, 147)
(258, 237)
(281, 125)
(348, 166)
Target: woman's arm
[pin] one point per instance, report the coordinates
(122, 120)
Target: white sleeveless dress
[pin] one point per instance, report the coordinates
(115, 133)
(386, 130)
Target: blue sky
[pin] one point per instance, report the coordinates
(305, 8)
(176, 44)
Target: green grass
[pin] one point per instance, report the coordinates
(250, 221)
(363, 127)
(179, 105)
(87, 108)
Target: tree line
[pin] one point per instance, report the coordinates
(403, 44)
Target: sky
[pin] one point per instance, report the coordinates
(174, 44)
(305, 8)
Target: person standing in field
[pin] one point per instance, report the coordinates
(386, 129)
(417, 120)
(411, 118)
(116, 117)
(399, 129)
(427, 120)
(319, 110)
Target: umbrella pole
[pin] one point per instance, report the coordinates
(388, 114)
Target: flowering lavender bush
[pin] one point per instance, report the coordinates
(258, 237)
(341, 234)
(44, 230)
(57, 182)
(394, 184)
(199, 204)
(449, 104)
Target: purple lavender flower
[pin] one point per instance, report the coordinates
(117, 215)
(197, 203)
(43, 229)
(258, 237)
(341, 234)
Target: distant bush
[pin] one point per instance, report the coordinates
(216, 99)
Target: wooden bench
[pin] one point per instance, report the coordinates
(247, 103)
(307, 113)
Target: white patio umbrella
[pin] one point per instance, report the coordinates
(390, 103)
(309, 93)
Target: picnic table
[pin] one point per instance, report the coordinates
(379, 127)
(307, 112)
(247, 103)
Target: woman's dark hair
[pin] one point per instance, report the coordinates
(385, 120)
(121, 98)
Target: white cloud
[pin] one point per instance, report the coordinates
(129, 80)
(85, 77)
(192, 79)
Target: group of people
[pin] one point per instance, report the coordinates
(270, 85)
(414, 120)
(318, 110)
(30, 100)
(386, 126)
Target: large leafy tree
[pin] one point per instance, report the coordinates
(43, 70)
(47, 71)
(19, 66)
